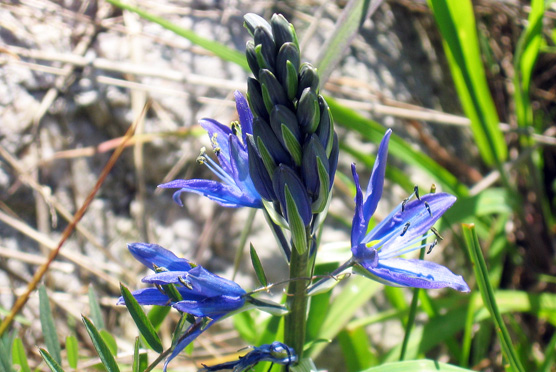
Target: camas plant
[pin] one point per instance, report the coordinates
(281, 157)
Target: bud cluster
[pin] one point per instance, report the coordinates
(293, 151)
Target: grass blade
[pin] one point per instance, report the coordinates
(416, 366)
(526, 54)
(48, 327)
(347, 27)
(50, 362)
(481, 273)
(94, 308)
(102, 349)
(72, 350)
(456, 22)
(373, 131)
(140, 360)
(18, 355)
(141, 320)
(214, 47)
(356, 349)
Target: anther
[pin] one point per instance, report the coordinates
(432, 246)
(405, 202)
(185, 283)
(235, 127)
(202, 157)
(435, 232)
(405, 228)
(215, 147)
(428, 208)
(416, 191)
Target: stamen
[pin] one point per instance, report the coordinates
(428, 208)
(405, 228)
(406, 247)
(185, 283)
(236, 128)
(202, 156)
(416, 191)
(215, 147)
(435, 232)
(432, 246)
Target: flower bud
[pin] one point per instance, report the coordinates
(308, 111)
(308, 78)
(282, 30)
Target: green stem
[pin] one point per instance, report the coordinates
(294, 333)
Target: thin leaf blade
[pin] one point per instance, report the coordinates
(48, 326)
(102, 349)
(141, 320)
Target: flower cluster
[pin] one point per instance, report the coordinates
(197, 291)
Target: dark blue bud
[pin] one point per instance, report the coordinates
(252, 58)
(272, 91)
(308, 78)
(312, 152)
(333, 159)
(255, 97)
(259, 174)
(282, 115)
(288, 52)
(308, 111)
(264, 38)
(325, 130)
(252, 21)
(282, 30)
(285, 176)
(264, 134)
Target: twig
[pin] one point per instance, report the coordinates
(20, 302)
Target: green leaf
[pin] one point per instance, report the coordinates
(214, 47)
(356, 292)
(347, 28)
(373, 131)
(292, 144)
(527, 51)
(140, 360)
(141, 320)
(259, 270)
(356, 349)
(50, 362)
(109, 340)
(456, 22)
(481, 273)
(72, 350)
(18, 355)
(157, 314)
(96, 313)
(6, 343)
(246, 327)
(416, 366)
(48, 327)
(102, 349)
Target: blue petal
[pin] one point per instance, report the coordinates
(209, 284)
(225, 195)
(416, 213)
(376, 182)
(245, 115)
(417, 274)
(360, 223)
(153, 254)
(210, 307)
(165, 277)
(148, 296)
(241, 173)
(189, 335)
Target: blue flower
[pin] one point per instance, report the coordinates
(376, 254)
(203, 294)
(276, 352)
(236, 188)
